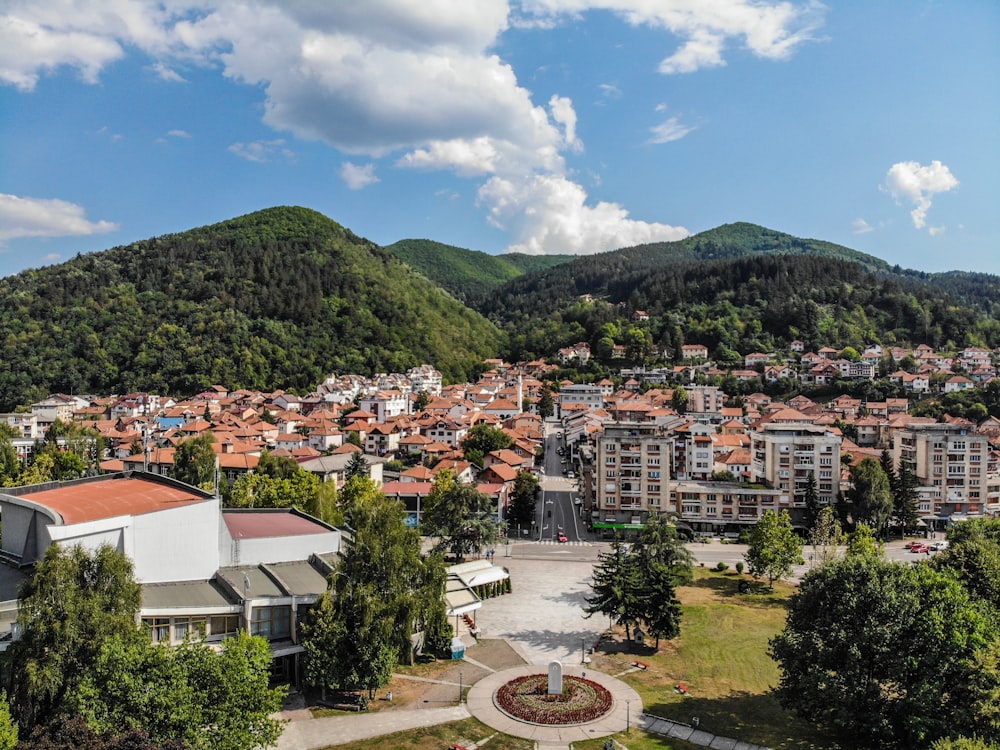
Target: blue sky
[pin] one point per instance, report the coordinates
(542, 126)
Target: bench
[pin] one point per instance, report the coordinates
(640, 664)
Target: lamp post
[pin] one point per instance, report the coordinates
(460, 687)
(627, 704)
(583, 650)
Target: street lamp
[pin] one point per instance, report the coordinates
(460, 687)
(583, 650)
(627, 704)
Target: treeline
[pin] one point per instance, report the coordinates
(278, 298)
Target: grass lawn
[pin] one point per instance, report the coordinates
(441, 736)
(721, 658)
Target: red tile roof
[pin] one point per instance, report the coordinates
(107, 498)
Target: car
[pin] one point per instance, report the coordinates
(919, 548)
(913, 543)
(562, 538)
(570, 475)
(938, 546)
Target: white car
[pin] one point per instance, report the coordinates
(938, 546)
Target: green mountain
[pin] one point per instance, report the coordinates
(468, 274)
(275, 299)
(737, 289)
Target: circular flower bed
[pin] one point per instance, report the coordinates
(527, 699)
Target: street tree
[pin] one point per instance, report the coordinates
(905, 498)
(523, 500)
(659, 543)
(862, 542)
(870, 495)
(74, 603)
(774, 547)
(973, 557)
(546, 404)
(461, 516)
(888, 655)
(617, 588)
(825, 536)
(810, 496)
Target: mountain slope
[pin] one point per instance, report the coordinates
(468, 274)
(274, 299)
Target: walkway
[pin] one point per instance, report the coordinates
(336, 730)
(686, 732)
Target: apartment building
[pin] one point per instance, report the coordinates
(631, 474)
(784, 455)
(724, 508)
(589, 397)
(951, 463)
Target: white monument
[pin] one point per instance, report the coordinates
(555, 678)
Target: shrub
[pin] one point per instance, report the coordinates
(722, 567)
(739, 567)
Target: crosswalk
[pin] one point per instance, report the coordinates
(561, 544)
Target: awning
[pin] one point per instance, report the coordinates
(605, 525)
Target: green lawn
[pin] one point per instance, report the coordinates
(441, 736)
(721, 658)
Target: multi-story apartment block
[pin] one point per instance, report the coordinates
(425, 378)
(589, 397)
(706, 400)
(631, 474)
(784, 456)
(951, 463)
(724, 507)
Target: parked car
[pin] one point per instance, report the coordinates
(913, 543)
(937, 546)
(919, 548)
(562, 537)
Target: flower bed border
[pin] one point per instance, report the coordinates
(505, 698)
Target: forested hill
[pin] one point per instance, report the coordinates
(741, 304)
(468, 274)
(275, 299)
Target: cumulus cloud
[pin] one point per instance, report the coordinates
(179, 133)
(417, 82)
(548, 214)
(912, 181)
(860, 226)
(45, 217)
(357, 176)
(262, 151)
(670, 130)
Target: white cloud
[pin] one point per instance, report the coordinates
(564, 114)
(548, 214)
(935, 231)
(915, 182)
(45, 217)
(771, 30)
(671, 130)
(262, 151)
(168, 74)
(610, 91)
(179, 133)
(358, 176)
(860, 226)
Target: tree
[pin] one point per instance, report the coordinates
(73, 604)
(811, 498)
(680, 399)
(193, 694)
(483, 439)
(194, 461)
(825, 536)
(774, 547)
(546, 406)
(420, 402)
(887, 655)
(8, 729)
(461, 515)
(905, 498)
(862, 542)
(523, 498)
(870, 495)
(973, 557)
(617, 588)
(664, 563)
(357, 466)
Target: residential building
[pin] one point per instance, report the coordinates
(785, 454)
(632, 475)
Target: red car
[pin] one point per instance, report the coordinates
(919, 548)
(562, 538)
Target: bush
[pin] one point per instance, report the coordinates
(745, 536)
(739, 567)
(722, 567)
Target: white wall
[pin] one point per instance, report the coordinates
(179, 544)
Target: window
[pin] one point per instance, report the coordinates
(272, 623)
(223, 625)
(610, 473)
(159, 628)
(185, 625)
(652, 461)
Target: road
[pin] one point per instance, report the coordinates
(556, 512)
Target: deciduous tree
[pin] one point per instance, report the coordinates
(461, 516)
(887, 655)
(870, 495)
(774, 547)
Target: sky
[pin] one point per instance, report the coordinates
(537, 126)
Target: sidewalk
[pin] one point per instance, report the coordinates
(309, 734)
